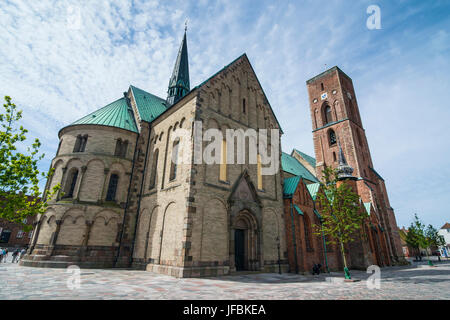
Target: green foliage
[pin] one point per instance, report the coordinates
(419, 236)
(433, 238)
(415, 236)
(341, 213)
(19, 173)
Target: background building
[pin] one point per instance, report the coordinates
(445, 232)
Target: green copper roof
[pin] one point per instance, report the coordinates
(290, 185)
(367, 206)
(179, 84)
(149, 105)
(318, 214)
(313, 189)
(293, 166)
(308, 158)
(298, 210)
(116, 114)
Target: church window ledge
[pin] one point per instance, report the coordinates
(330, 124)
(216, 186)
(171, 187)
(224, 182)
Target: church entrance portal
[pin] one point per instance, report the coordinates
(245, 232)
(239, 250)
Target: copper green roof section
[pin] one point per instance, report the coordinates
(116, 114)
(367, 206)
(293, 166)
(149, 105)
(298, 210)
(308, 158)
(317, 214)
(290, 185)
(179, 84)
(313, 189)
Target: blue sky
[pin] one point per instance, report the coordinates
(60, 60)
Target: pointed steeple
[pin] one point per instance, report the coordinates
(179, 84)
(344, 169)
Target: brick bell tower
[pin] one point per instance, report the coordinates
(336, 120)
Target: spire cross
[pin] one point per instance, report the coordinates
(185, 25)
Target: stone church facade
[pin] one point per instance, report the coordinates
(124, 203)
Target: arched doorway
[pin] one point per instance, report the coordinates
(246, 242)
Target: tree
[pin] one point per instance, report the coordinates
(432, 239)
(342, 217)
(20, 197)
(412, 239)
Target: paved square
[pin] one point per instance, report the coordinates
(409, 282)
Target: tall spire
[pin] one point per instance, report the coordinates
(179, 84)
(344, 169)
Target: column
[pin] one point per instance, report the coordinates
(63, 177)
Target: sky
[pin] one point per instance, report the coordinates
(60, 60)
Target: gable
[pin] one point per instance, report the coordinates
(233, 71)
(244, 189)
(148, 105)
(293, 166)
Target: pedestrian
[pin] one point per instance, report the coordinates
(22, 253)
(5, 254)
(316, 269)
(1, 254)
(15, 256)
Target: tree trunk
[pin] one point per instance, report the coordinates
(343, 254)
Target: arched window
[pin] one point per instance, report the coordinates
(112, 187)
(328, 115)
(154, 169)
(118, 147)
(332, 137)
(121, 148)
(322, 87)
(243, 105)
(76, 148)
(83, 143)
(71, 182)
(174, 162)
(334, 156)
(80, 143)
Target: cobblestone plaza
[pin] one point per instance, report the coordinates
(417, 281)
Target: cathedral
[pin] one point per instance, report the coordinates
(124, 203)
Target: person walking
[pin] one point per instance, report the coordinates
(15, 256)
(22, 253)
(1, 254)
(5, 254)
